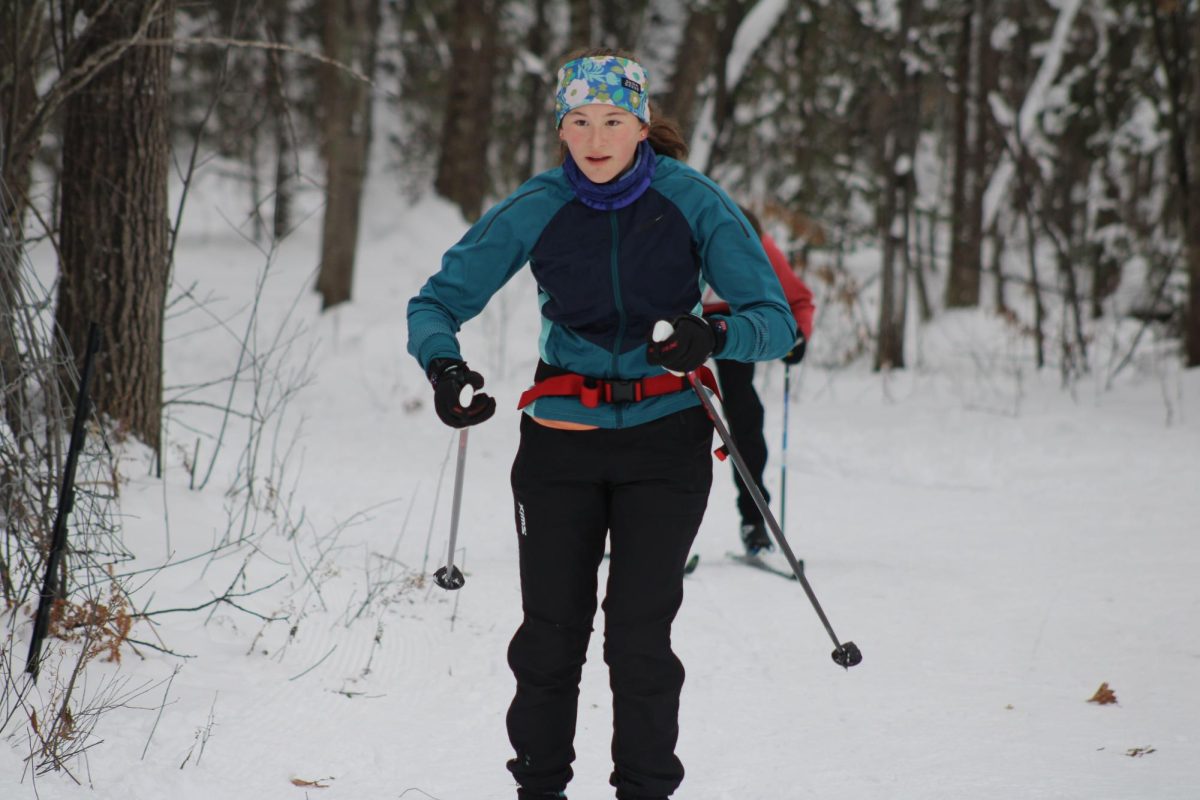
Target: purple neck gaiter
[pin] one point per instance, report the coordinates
(619, 192)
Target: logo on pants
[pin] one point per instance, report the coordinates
(521, 516)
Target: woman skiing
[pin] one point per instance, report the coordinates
(622, 235)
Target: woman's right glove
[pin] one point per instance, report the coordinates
(449, 376)
(692, 340)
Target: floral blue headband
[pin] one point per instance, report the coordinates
(608, 80)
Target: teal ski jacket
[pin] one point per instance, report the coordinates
(604, 278)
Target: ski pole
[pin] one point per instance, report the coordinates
(450, 577)
(844, 654)
(787, 379)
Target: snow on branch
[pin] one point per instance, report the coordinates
(1031, 107)
(756, 27)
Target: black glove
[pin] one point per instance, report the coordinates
(448, 377)
(692, 342)
(796, 354)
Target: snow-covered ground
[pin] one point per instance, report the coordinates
(996, 545)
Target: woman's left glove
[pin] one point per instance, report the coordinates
(796, 354)
(449, 376)
(690, 344)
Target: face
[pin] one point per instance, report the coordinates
(602, 140)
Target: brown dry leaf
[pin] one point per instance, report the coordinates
(1138, 752)
(311, 784)
(1103, 695)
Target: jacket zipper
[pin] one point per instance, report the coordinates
(616, 281)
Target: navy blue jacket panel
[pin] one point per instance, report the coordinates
(631, 267)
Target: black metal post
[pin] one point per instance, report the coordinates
(66, 501)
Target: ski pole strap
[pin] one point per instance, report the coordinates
(594, 391)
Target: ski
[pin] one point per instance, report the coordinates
(758, 563)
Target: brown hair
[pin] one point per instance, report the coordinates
(664, 135)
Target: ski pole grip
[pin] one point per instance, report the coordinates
(662, 331)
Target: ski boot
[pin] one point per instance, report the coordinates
(755, 539)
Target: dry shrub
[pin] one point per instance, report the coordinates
(103, 626)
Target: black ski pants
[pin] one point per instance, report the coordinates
(646, 488)
(744, 416)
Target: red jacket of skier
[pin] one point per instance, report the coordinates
(798, 295)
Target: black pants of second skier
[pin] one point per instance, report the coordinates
(744, 416)
(646, 488)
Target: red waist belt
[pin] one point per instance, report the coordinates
(594, 391)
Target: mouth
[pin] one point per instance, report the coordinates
(597, 159)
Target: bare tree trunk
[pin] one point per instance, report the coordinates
(350, 35)
(1192, 331)
(1192, 323)
(962, 279)
(22, 30)
(1039, 308)
(535, 92)
(998, 244)
(18, 93)
(621, 22)
(1074, 348)
(1173, 56)
(693, 59)
(114, 226)
(12, 383)
(900, 134)
(917, 267)
(983, 140)
(252, 140)
(462, 163)
(1106, 268)
(1024, 207)
(725, 96)
(889, 348)
(907, 198)
(580, 33)
(285, 157)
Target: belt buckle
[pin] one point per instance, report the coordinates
(622, 391)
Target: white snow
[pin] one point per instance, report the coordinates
(997, 546)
